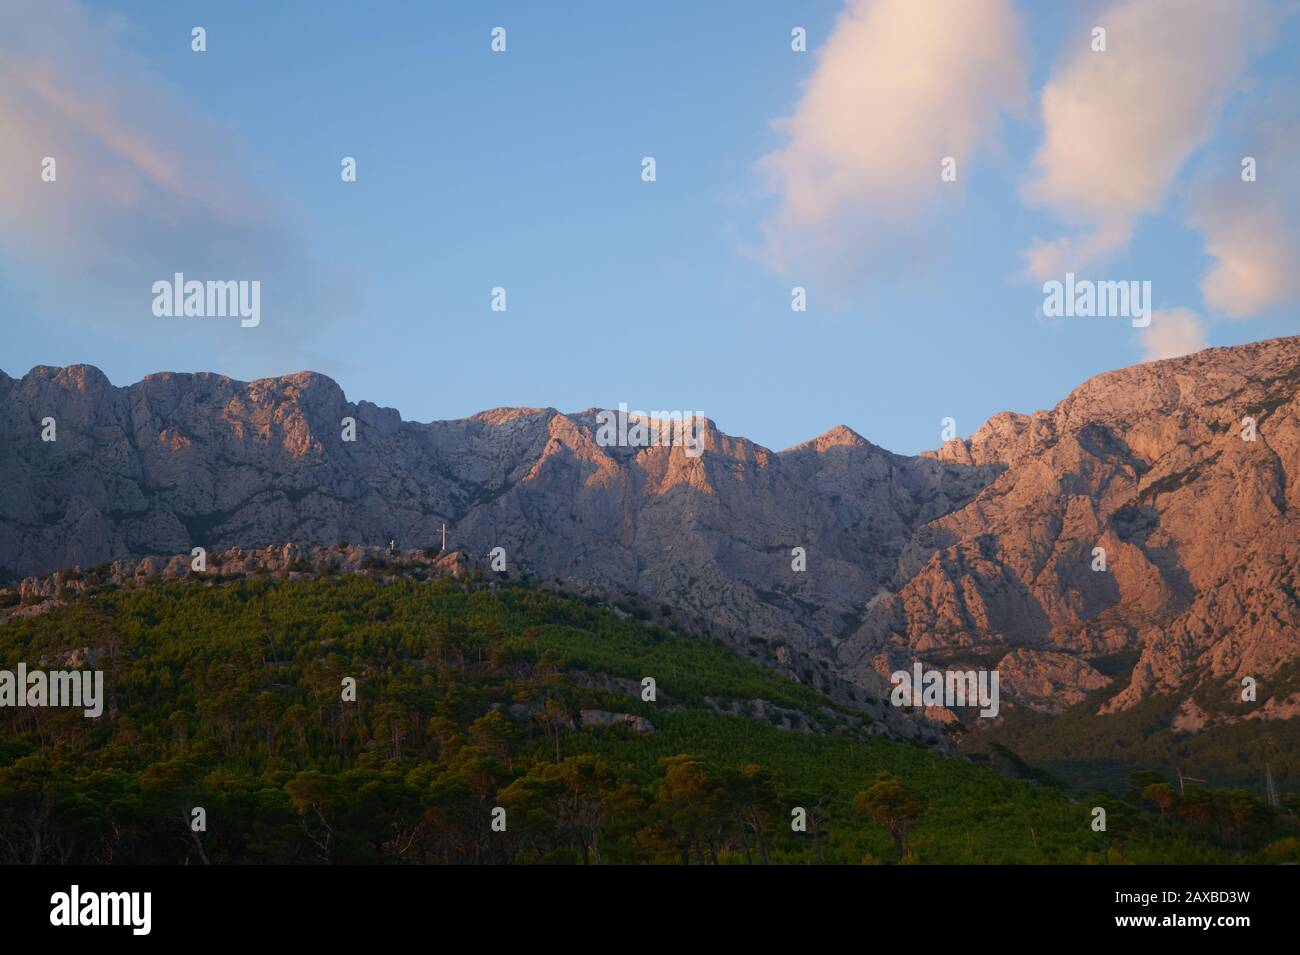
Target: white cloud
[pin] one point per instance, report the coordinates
(1119, 124)
(1252, 229)
(898, 86)
(1172, 333)
(146, 185)
(1048, 260)
(124, 149)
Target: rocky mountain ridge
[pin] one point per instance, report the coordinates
(978, 554)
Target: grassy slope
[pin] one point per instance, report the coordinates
(232, 660)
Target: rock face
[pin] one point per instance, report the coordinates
(599, 718)
(978, 552)
(1199, 526)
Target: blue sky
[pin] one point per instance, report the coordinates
(522, 169)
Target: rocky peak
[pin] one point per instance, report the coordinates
(984, 547)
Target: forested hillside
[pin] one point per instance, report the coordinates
(228, 695)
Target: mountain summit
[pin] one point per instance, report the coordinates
(1179, 477)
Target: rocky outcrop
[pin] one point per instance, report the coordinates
(1184, 473)
(603, 718)
(982, 551)
(1046, 680)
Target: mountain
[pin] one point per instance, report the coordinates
(1199, 524)
(980, 553)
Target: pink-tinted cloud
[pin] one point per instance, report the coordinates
(1120, 124)
(146, 185)
(898, 86)
(1252, 226)
(1172, 333)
